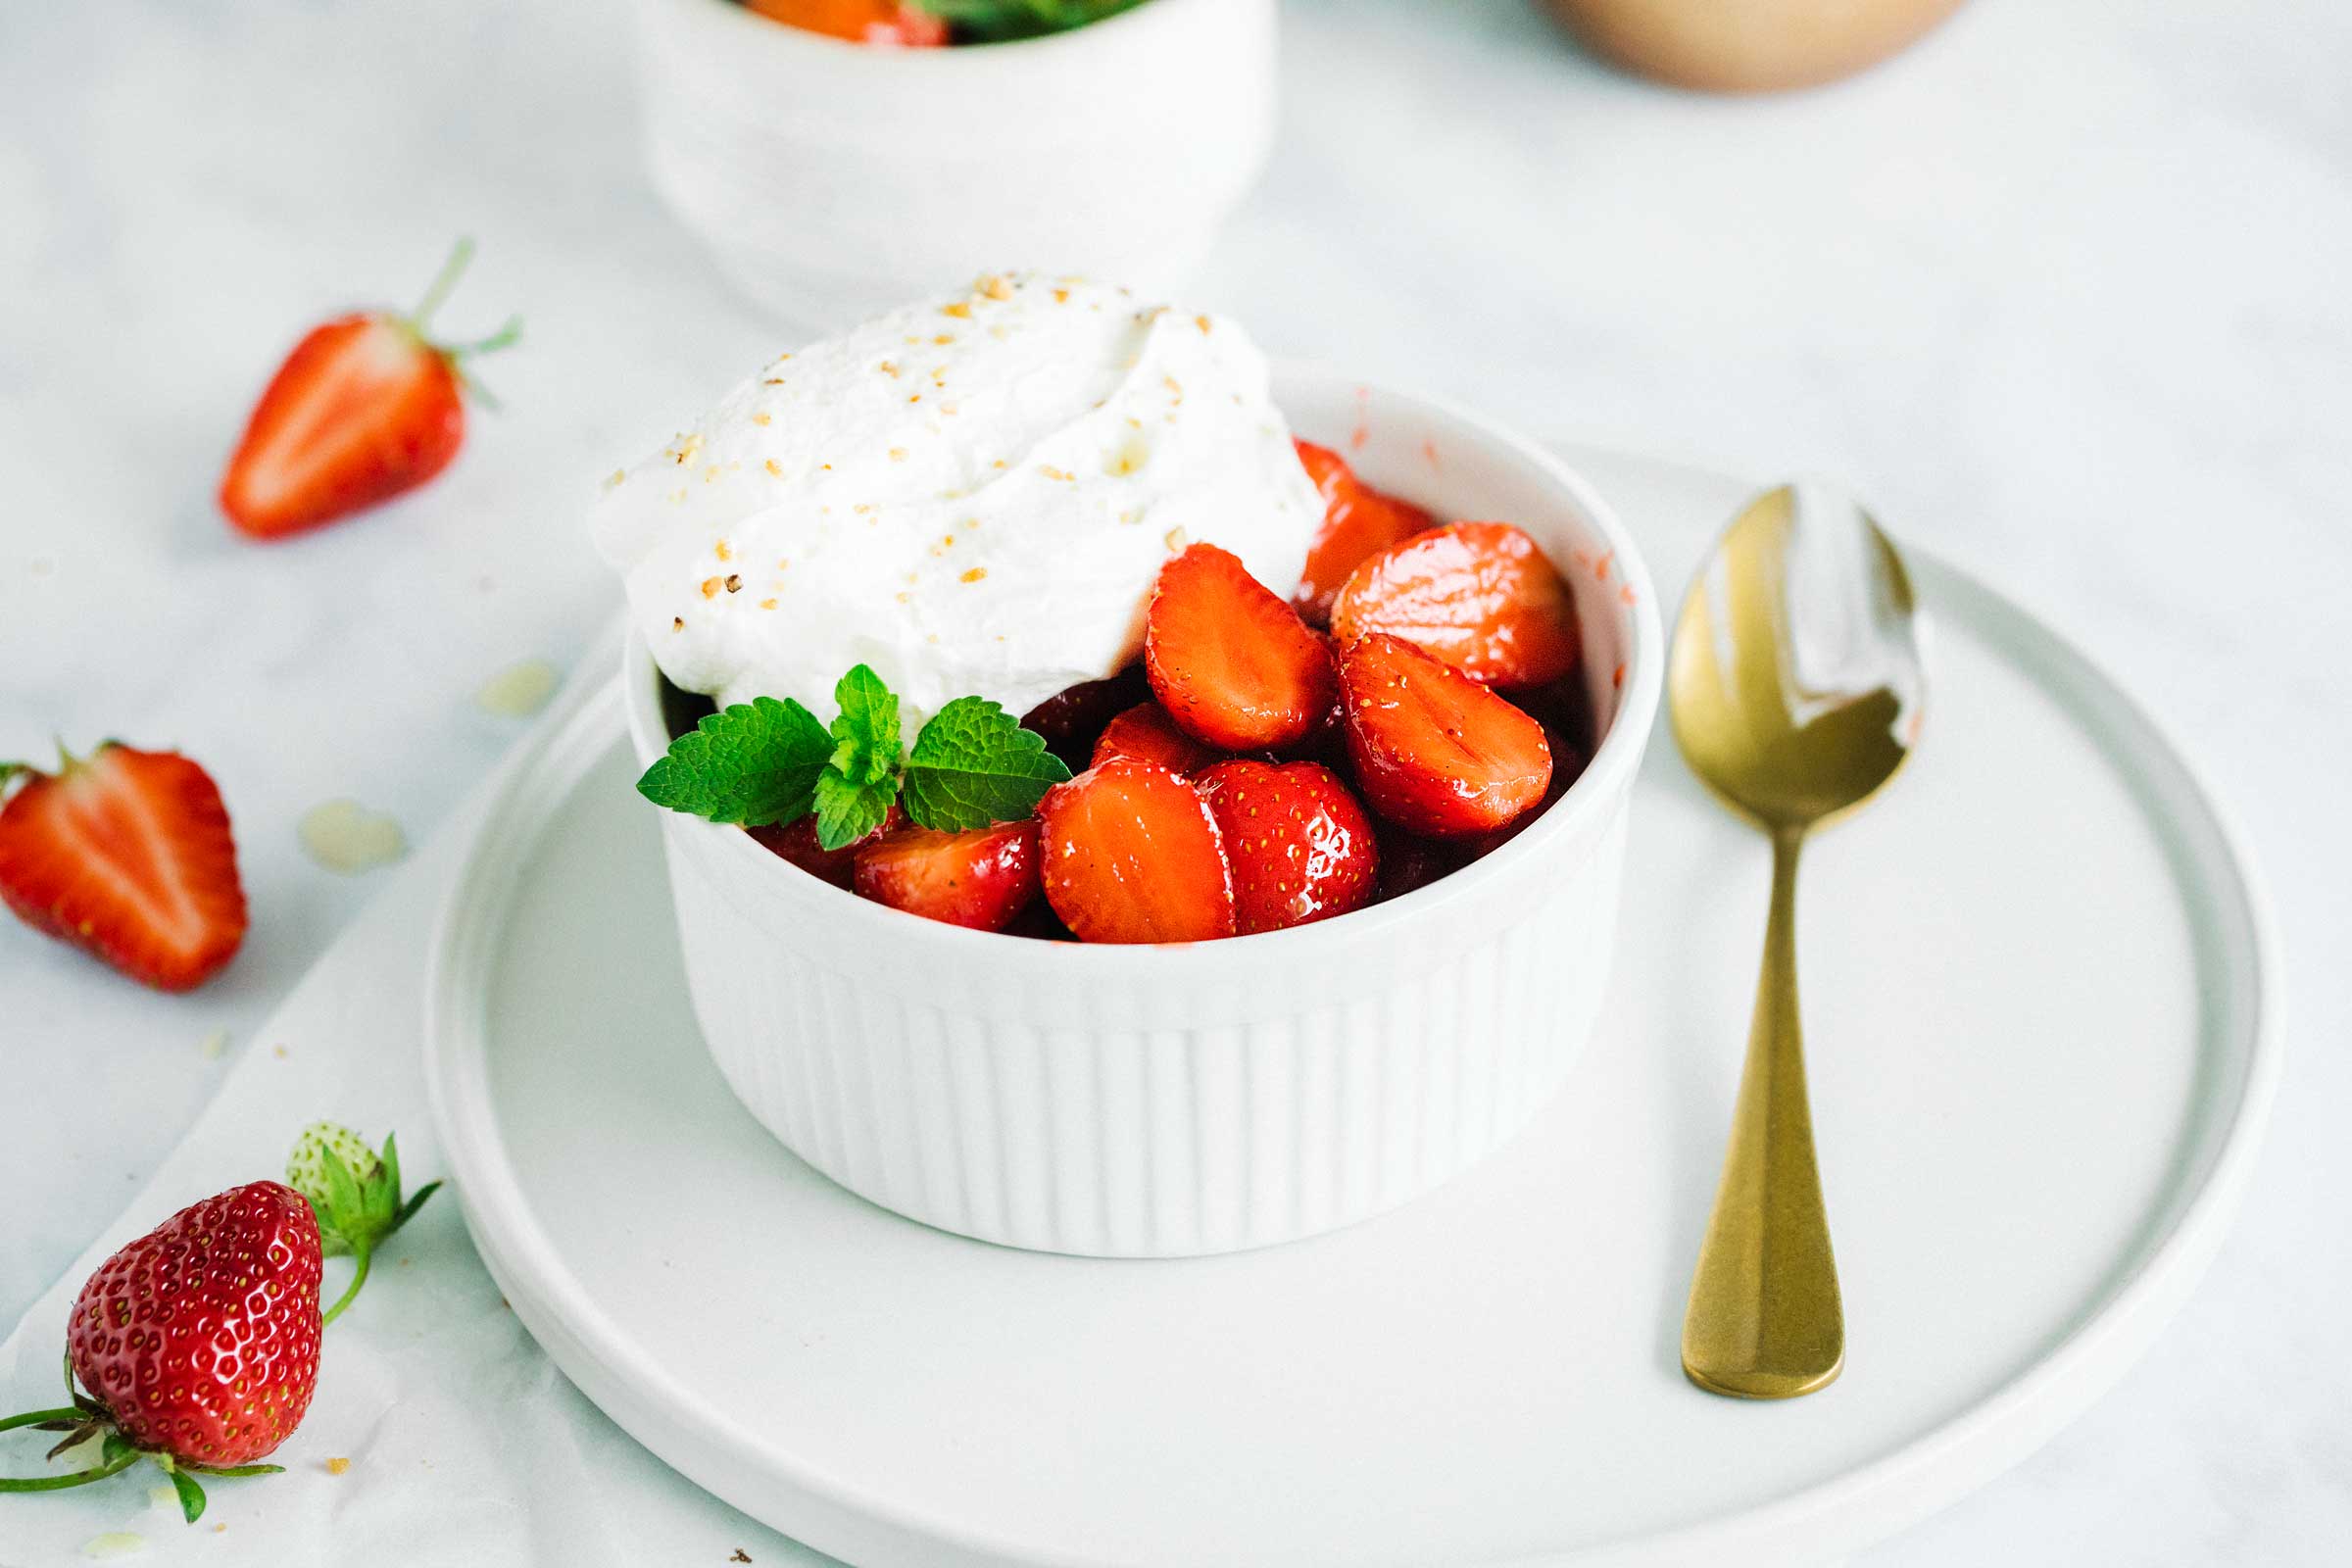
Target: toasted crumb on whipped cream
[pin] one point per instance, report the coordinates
(972, 495)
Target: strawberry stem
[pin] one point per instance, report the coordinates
(504, 337)
(51, 1421)
(418, 321)
(72, 1414)
(80, 1478)
(443, 281)
(361, 1255)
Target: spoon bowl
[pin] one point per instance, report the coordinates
(1794, 685)
(1793, 682)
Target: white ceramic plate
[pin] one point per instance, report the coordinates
(2035, 976)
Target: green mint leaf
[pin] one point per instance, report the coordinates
(868, 747)
(1001, 20)
(754, 764)
(848, 809)
(974, 764)
(861, 776)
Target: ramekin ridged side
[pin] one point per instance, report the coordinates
(1248, 1118)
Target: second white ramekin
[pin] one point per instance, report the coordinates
(832, 181)
(1161, 1101)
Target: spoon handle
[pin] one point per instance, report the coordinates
(1765, 1321)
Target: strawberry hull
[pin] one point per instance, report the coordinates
(1185, 1098)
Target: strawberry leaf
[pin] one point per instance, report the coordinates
(974, 764)
(756, 764)
(191, 1495)
(346, 1207)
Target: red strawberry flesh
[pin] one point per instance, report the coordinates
(1357, 520)
(127, 855)
(1147, 734)
(1480, 596)
(1131, 853)
(1071, 720)
(796, 841)
(889, 22)
(982, 879)
(1434, 752)
(1232, 663)
(1301, 847)
(363, 410)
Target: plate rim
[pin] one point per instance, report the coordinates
(1866, 1504)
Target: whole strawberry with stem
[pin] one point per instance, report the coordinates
(368, 406)
(197, 1344)
(355, 1193)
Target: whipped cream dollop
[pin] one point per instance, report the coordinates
(972, 495)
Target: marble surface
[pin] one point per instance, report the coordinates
(2062, 292)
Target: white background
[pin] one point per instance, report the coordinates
(2064, 292)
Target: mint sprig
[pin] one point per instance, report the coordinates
(1003, 21)
(756, 763)
(771, 762)
(861, 779)
(974, 764)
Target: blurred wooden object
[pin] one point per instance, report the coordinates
(1748, 45)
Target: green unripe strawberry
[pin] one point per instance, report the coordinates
(322, 1141)
(355, 1191)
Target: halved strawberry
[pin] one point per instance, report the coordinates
(1147, 734)
(883, 21)
(1568, 761)
(1479, 595)
(1299, 845)
(796, 841)
(982, 879)
(1131, 853)
(1233, 664)
(365, 408)
(1435, 752)
(128, 856)
(1357, 520)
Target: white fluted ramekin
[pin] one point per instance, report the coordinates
(1162, 1101)
(832, 181)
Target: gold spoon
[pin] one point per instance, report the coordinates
(1794, 689)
